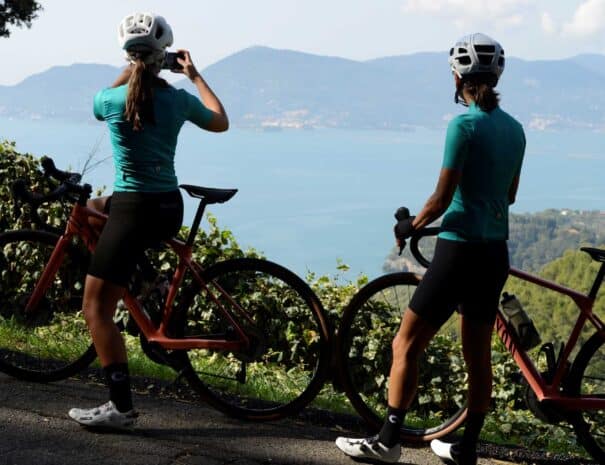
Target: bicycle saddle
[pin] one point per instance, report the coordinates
(596, 254)
(209, 194)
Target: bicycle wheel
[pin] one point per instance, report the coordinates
(52, 341)
(367, 329)
(286, 365)
(587, 378)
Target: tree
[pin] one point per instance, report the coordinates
(17, 13)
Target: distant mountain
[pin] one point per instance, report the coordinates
(264, 87)
(61, 91)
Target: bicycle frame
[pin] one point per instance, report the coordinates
(545, 390)
(78, 226)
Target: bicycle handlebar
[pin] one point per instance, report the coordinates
(403, 213)
(50, 170)
(70, 184)
(415, 238)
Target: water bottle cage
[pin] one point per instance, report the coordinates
(519, 322)
(528, 335)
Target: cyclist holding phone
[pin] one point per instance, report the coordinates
(144, 115)
(478, 181)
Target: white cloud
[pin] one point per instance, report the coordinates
(503, 13)
(588, 19)
(548, 23)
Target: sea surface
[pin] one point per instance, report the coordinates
(310, 199)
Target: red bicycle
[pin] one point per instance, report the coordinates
(565, 390)
(249, 335)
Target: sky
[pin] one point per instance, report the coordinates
(84, 31)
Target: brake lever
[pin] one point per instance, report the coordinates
(401, 214)
(51, 171)
(402, 245)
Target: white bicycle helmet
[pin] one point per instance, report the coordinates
(477, 53)
(146, 30)
(145, 36)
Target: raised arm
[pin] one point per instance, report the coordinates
(124, 76)
(219, 121)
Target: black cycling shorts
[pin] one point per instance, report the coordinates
(137, 221)
(464, 275)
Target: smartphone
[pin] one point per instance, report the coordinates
(170, 61)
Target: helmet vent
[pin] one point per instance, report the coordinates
(477, 54)
(485, 59)
(159, 32)
(485, 49)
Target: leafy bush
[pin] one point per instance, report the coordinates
(506, 423)
(14, 166)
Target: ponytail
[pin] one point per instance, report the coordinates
(139, 101)
(481, 88)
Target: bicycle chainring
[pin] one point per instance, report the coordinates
(543, 410)
(156, 353)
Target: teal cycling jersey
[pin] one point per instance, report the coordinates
(488, 149)
(144, 160)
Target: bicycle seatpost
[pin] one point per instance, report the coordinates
(196, 222)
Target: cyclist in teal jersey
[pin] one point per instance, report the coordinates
(144, 115)
(484, 150)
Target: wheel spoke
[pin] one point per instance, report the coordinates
(51, 341)
(585, 379)
(368, 326)
(284, 366)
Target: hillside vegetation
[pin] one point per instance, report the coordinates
(538, 238)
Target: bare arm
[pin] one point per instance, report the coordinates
(124, 76)
(219, 121)
(438, 202)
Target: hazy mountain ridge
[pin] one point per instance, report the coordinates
(264, 87)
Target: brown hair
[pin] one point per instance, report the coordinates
(139, 101)
(481, 87)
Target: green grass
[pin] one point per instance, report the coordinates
(68, 337)
(65, 339)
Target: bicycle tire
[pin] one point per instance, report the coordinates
(587, 376)
(53, 343)
(291, 349)
(368, 325)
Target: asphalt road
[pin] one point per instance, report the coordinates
(35, 430)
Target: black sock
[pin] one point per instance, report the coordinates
(472, 429)
(118, 381)
(389, 434)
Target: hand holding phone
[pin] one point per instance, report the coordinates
(170, 61)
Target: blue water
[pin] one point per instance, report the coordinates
(310, 198)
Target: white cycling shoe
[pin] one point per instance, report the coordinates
(104, 416)
(451, 453)
(369, 449)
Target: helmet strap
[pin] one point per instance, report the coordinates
(459, 96)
